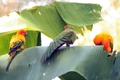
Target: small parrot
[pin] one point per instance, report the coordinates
(106, 40)
(16, 44)
(68, 36)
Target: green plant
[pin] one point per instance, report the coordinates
(78, 62)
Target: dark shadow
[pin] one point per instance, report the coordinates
(71, 76)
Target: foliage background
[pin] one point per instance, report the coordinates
(110, 14)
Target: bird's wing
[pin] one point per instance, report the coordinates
(67, 36)
(15, 43)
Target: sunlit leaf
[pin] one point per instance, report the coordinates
(50, 19)
(45, 19)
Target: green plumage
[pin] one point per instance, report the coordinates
(68, 36)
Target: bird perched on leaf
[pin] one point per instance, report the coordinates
(68, 36)
(16, 44)
(106, 40)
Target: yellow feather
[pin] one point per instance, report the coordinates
(17, 38)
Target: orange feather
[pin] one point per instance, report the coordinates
(104, 39)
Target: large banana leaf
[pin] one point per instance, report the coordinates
(45, 19)
(50, 19)
(84, 62)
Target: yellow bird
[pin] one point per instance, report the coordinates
(16, 43)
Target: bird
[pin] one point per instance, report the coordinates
(16, 44)
(68, 36)
(106, 40)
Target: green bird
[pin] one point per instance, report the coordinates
(68, 36)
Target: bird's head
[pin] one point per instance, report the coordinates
(67, 27)
(22, 32)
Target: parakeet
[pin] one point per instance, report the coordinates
(16, 44)
(68, 36)
(104, 39)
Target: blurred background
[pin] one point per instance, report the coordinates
(110, 14)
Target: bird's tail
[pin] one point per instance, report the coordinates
(12, 51)
(7, 67)
(10, 60)
(50, 50)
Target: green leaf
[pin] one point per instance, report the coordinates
(31, 40)
(50, 19)
(114, 73)
(91, 62)
(79, 14)
(45, 19)
(89, 27)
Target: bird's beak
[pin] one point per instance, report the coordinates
(25, 34)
